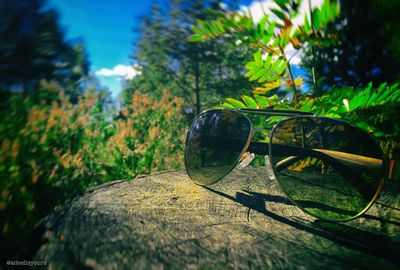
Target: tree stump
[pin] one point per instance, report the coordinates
(165, 221)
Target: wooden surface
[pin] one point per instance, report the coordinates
(164, 221)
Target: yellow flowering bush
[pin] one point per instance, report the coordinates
(54, 150)
(148, 136)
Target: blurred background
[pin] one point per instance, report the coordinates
(95, 91)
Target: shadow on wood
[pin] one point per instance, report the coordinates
(244, 221)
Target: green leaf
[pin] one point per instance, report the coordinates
(235, 103)
(282, 4)
(219, 27)
(250, 65)
(307, 27)
(278, 13)
(257, 74)
(294, 14)
(257, 58)
(267, 62)
(227, 105)
(195, 38)
(229, 22)
(273, 100)
(201, 25)
(266, 39)
(245, 22)
(316, 16)
(209, 29)
(251, 72)
(334, 11)
(333, 115)
(264, 70)
(365, 126)
(269, 33)
(281, 68)
(267, 75)
(379, 134)
(260, 28)
(275, 65)
(271, 28)
(197, 30)
(250, 102)
(263, 22)
(262, 101)
(325, 12)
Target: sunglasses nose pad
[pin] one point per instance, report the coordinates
(245, 160)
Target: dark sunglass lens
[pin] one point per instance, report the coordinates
(327, 167)
(214, 144)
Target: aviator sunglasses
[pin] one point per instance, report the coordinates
(329, 168)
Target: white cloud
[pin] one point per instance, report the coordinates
(258, 9)
(122, 71)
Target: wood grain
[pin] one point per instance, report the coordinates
(164, 221)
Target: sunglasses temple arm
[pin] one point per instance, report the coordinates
(392, 171)
(296, 153)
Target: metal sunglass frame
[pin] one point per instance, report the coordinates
(261, 147)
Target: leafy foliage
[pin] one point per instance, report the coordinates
(258, 102)
(373, 109)
(261, 70)
(56, 144)
(51, 152)
(269, 38)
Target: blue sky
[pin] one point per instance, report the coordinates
(106, 28)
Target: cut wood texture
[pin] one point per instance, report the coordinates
(164, 221)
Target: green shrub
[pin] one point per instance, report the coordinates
(373, 109)
(54, 150)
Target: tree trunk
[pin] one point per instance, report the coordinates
(164, 221)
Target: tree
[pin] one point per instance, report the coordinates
(269, 38)
(200, 73)
(368, 45)
(33, 47)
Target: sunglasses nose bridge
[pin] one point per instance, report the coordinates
(267, 160)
